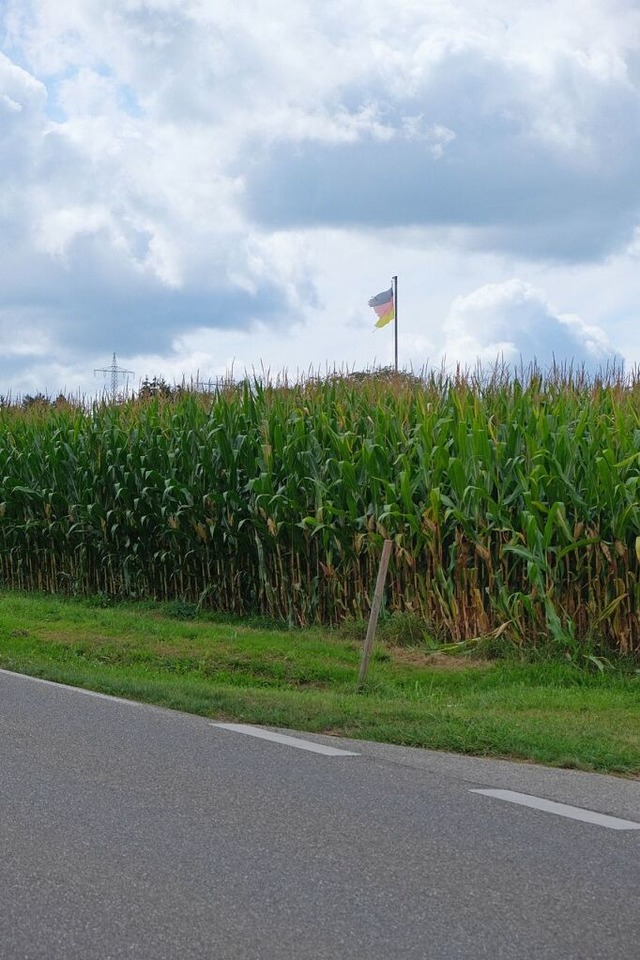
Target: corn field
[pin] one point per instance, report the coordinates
(512, 502)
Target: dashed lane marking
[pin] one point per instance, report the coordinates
(250, 731)
(561, 809)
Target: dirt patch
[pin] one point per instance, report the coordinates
(436, 661)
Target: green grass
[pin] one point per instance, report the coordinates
(552, 712)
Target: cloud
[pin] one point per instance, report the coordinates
(170, 170)
(542, 165)
(115, 229)
(185, 113)
(512, 322)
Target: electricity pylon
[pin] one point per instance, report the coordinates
(116, 373)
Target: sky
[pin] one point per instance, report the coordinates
(212, 188)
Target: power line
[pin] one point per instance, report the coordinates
(210, 386)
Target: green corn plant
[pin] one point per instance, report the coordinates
(512, 501)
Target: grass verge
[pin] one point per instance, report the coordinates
(549, 712)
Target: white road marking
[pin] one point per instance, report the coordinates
(561, 809)
(68, 686)
(250, 731)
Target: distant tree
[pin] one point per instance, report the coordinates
(157, 387)
(39, 400)
(381, 375)
(62, 402)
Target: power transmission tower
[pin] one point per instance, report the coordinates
(116, 373)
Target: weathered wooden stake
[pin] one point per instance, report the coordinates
(375, 610)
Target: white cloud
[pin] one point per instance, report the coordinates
(189, 172)
(513, 322)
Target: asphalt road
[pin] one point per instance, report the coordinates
(131, 831)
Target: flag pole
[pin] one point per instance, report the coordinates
(394, 281)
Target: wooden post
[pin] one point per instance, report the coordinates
(375, 610)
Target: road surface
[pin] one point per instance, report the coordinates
(128, 831)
